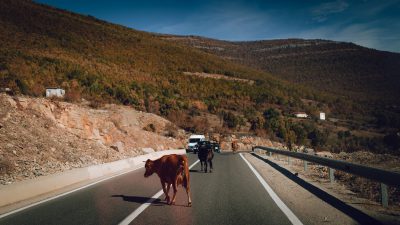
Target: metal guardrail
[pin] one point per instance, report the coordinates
(383, 176)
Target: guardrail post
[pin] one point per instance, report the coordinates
(270, 154)
(384, 195)
(288, 160)
(305, 165)
(331, 175)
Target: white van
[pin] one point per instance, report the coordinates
(192, 142)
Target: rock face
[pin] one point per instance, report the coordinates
(41, 136)
(118, 146)
(245, 143)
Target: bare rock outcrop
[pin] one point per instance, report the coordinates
(245, 143)
(41, 136)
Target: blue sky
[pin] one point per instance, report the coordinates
(370, 23)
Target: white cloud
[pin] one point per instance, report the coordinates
(321, 12)
(365, 34)
(232, 22)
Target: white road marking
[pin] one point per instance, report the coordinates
(66, 193)
(139, 210)
(290, 215)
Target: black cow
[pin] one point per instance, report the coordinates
(205, 155)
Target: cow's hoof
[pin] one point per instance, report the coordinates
(210, 171)
(189, 204)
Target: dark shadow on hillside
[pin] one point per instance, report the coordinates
(140, 199)
(352, 212)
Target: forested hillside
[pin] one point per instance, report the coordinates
(106, 63)
(102, 62)
(337, 67)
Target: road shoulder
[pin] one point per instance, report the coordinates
(303, 202)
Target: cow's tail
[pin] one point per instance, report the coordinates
(184, 170)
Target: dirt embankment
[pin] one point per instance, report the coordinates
(41, 136)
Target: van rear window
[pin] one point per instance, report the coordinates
(194, 140)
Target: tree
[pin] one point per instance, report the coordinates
(301, 134)
(230, 120)
(318, 138)
(272, 119)
(290, 138)
(392, 141)
(257, 122)
(271, 113)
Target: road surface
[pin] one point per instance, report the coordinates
(231, 194)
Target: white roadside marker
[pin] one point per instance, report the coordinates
(141, 208)
(290, 215)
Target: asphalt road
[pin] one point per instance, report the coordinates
(230, 195)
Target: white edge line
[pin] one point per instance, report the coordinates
(66, 193)
(290, 215)
(143, 207)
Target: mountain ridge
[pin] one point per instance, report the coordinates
(341, 68)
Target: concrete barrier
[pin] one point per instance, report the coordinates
(28, 189)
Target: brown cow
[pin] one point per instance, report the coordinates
(172, 169)
(235, 146)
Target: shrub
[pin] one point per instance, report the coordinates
(22, 86)
(150, 127)
(230, 120)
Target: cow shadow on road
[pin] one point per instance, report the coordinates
(140, 199)
(352, 212)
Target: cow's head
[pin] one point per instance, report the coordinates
(149, 168)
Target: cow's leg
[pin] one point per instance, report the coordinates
(167, 197)
(165, 191)
(187, 185)
(211, 167)
(188, 194)
(173, 197)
